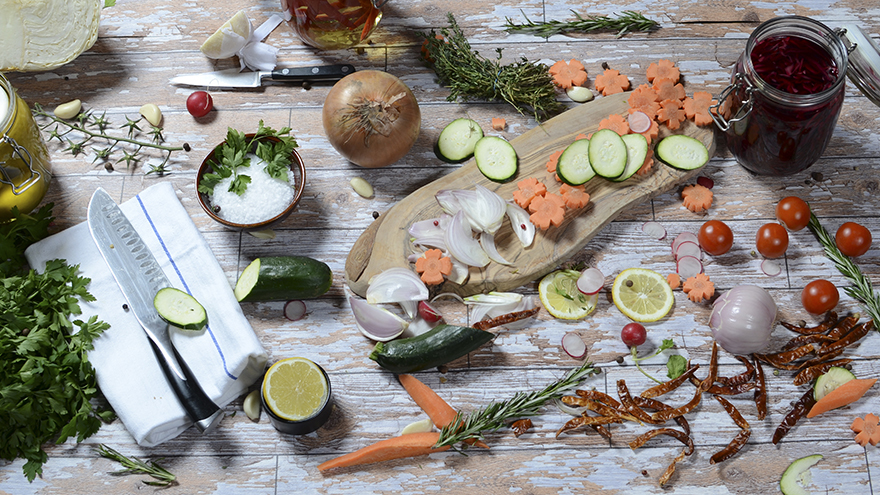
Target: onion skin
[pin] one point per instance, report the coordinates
(742, 319)
(371, 118)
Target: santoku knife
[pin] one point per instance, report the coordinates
(233, 78)
(140, 277)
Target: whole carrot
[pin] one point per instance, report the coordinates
(410, 445)
(440, 412)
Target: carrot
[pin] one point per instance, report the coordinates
(440, 412)
(652, 133)
(568, 74)
(663, 69)
(432, 266)
(528, 189)
(547, 210)
(581, 136)
(696, 198)
(671, 113)
(574, 196)
(847, 393)
(616, 123)
(498, 123)
(674, 280)
(697, 108)
(644, 99)
(867, 430)
(411, 445)
(611, 81)
(698, 288)
(667, 89)
(553, 161)
(645, 169)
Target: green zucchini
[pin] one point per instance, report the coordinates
(180, 309)
(282, 278)
(441, 345)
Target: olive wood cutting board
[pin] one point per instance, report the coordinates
(386, 243)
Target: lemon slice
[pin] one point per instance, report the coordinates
(295, 389)
(230, 38)
(642, 294)
(561, 297)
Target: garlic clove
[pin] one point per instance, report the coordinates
(579, 94)
(152, 113)
(251, 405)
(362, 187)
(68, 110)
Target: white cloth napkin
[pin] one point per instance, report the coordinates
(226, 357)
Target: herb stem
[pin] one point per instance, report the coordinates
(134, 465)
(627, 22)
(80, 128)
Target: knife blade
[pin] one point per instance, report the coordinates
(233, 78)
(140, 277)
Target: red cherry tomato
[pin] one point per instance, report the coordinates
(633, 334)
(793, 212)
(819, 297)
(199, 103)
(853, 239)
(715, 237)
(772, 240)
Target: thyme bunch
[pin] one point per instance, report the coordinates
(88, 129)
(861, 290)
(627, 22)
(468, 75)
(494, 416)
(134, 465)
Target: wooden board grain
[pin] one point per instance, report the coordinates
(386, 243)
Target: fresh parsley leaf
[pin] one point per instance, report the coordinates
(209, 180)
(239, 184)
(19, 233)
(666, 344)
(676, 365)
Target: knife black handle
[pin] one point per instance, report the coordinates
(199, 407)
(316, 73)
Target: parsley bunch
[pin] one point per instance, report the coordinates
(233, 154)
(19, 233)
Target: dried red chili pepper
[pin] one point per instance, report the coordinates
(744, 377)
(801, 340)
(628, 405)
(669, 386)
(599, 397)
(800, 409)
(670, 470)
(605, 432)
(809, 374)
(663, 416)
(843, 327)
(505, 319)
(724, 389)
(760, 391)
(733, 412)
(521, 426)
(853, 336)
(587, 421)
(656, 405)
(786, 357)
(732, 448)
(829, 322)
(597, 407)
(672, 432)
(713, 368)
(819, 359)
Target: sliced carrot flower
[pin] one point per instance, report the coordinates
(568, 74)
(498, 123)
(663, 69)
(547, 210)
(433, 266)
(574, 196)
(529, 188)
(696, 197)
(867, 430)
(674, 280)
(611, 81)
(581, 136)
(644, 99)
(667, 89)
(648, 164)
(553, 160)
(652, 133)
(698, 287)
(671, 113)
(697, 108)
(616, 123)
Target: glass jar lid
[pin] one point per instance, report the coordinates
(864, 60)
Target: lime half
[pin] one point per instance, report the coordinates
(561, 297)
(642, 294)
(295, 389)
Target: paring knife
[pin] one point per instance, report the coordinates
(233, 78)
(140, 277)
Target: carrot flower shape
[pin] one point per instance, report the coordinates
(433, 266)
(867, 430)
(528, 189)
(698, 287)
(611, 81)
(697, 108)
(671, 113)
(568, 74)
(547, 210)
(696, 197)
(616, 123)
(663, 69)
(574, 196)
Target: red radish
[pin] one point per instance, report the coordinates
(689, 266)
(199, 103)
(684, 237)
(573, 345)
(633, 334)
(771, 268)
(688, 248)
(294, 310)
(590, 281)
(706, 182)
(655, 230)
(639, 122)
(429, 313)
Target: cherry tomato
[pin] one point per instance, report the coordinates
(633, 334)
(853, 239)
(772, 240)
(199, 103)
(793, 212)
(819, 297)
(715, 237)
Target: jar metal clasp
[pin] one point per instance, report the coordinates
(745, 106)
(25, 156)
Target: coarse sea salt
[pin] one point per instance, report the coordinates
(264, 198)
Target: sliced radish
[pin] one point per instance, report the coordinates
(573, 345)
(655, 230)
(689, 266)
(429, 313)
(294, 310)
(706, 182)
(771, 268)
(684, 237)
(639, 122)
(590, 281)
(688, 248)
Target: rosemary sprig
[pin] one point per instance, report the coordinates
(494, 416)
(468, 75)
(627, 22)
(134, 465)
(861, 290)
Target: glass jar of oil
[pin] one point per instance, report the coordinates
(25, 169)
(333, 25)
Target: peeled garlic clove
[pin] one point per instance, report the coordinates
(422, 426)
(251, 405)
(152, 113)
(68, 110)
(362, 187)
(579, 94)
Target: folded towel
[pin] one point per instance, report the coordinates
(226, 357)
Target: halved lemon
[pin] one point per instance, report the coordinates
(642, 294)
(561, 297)
(295, 389)
(230, 38)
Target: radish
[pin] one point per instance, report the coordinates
(429, 313)
(684, 237)
(639, 122)
(771, 268)
(689, 266)
(590, 281)
(688, 248)
(294, 310)
(706, 182)
(573, 345)
(655, 230)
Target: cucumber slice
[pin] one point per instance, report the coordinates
(636, 152)
(180, 309)
(682, 152)
(607, 154)
(830, 380)
(797, 472)
(495, 158)
(457, 140)
(573, 166)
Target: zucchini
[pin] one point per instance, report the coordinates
(441, 345)
(682, 152)
(830, 380)
(607, 154)
(496, 158)
(797, 472)
(457, 140)
(573, 166)
(636, 152)
(282, 278)
(180, 309)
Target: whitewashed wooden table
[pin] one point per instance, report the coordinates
(144, 43)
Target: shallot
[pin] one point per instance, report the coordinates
(374, 322)
(742, 319)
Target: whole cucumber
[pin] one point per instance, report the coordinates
(440, 345)
(282, 278)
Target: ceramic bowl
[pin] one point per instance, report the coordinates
(299, 171)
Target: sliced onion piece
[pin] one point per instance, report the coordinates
(688, 248)
(497, 302)
(417, 327)
(573, 345)
(294, 310)
(430, 233)
(771, 268)
(706, 182)
(639, 122)
(411, 308)
(521, 225)
(448, 202)
(483, 208)
(376, 323)
(462, 245)
(460, 272)
(684, 237)
(688, 267)
(654, 230)
(591, 281)
(573, 410)
(487, 241)
(396, 285)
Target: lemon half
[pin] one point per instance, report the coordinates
(642, 294)
(230, 38)
(561, 297)
(295, 389)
